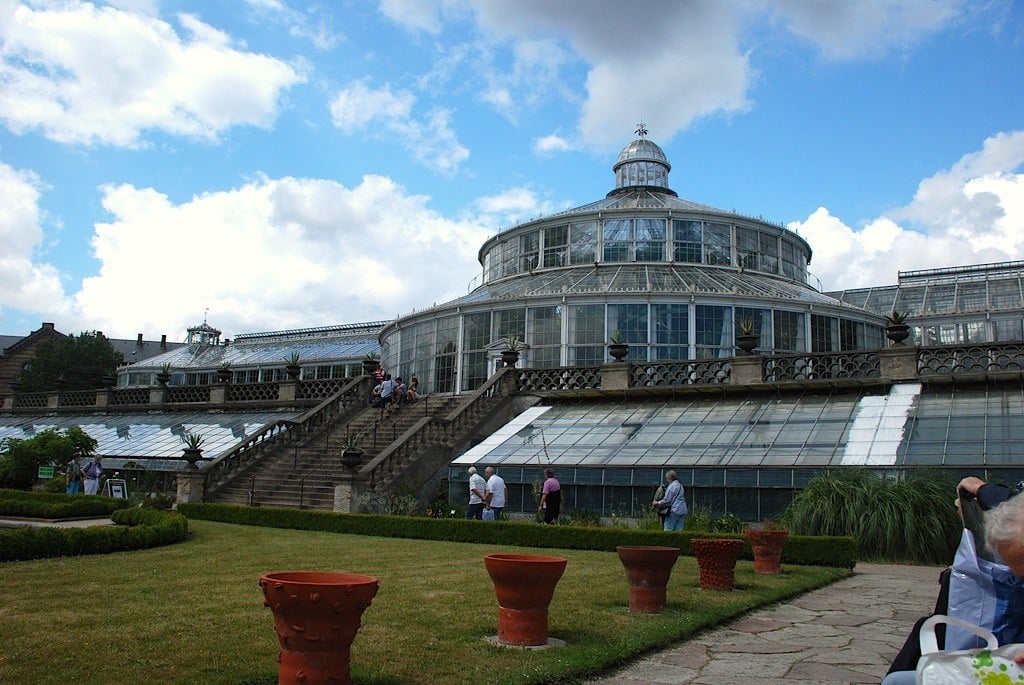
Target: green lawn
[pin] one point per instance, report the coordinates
(193, 612)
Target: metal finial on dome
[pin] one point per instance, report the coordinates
(641, 130)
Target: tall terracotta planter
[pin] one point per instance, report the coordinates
(716, 558)
(767, 546)
(316, 616)
(525, 584)
(648, 570)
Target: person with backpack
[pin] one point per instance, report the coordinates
(73, 475)
(93, 471)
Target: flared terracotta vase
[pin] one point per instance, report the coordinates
(716, 558)
(316, 616)
(648, 570)
(767, 546)
(525, 584)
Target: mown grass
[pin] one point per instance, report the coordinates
(193, 612)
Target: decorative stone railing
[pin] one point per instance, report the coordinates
(347, 401)
(670, 374)
(822, 366)
(560, 378)
(970, 359)
(299, 393)
(893, 363)
(380, 471)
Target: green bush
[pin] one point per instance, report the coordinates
(909, 520)
(57, 505)
(137, 528)
(836, 551)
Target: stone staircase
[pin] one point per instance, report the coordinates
(303, 476)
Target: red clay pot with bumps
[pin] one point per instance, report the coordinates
(316, 616)
(767, 546)
(648, 570)
(524, 584)
(716, 558)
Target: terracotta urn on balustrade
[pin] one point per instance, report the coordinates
(716, 558)
(767, 546)
(524, 584)
(648, 570)
(316, 616)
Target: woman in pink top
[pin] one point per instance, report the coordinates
(550, 498)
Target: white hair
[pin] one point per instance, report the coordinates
(471, 470)
(1005, 523)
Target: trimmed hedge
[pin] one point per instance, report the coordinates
(46, 505)
(799, 549)
(137, 528)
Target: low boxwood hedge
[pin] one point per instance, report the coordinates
(799, 549)
(57, 506)
(137, 528)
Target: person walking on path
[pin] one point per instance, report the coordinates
(93, 471)
(477, 493)
(73, 474)
(550, 498)
(495, 499)
(676, 503)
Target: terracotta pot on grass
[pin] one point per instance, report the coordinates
(767, 546)
(525, 584)
(716, 558)
(316, 616)
(648, 570)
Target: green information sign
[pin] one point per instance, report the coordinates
(46, 472)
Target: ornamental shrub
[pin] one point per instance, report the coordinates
(834, 551)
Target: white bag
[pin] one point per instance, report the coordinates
(991, 664)
(487, 515)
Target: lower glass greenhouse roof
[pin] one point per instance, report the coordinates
(940, 426)
(153, 441)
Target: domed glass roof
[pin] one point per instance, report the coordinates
(641, 164)
(642, 149)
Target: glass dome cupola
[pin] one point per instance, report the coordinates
(641, 164)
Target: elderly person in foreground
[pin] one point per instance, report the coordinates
(1004, 535)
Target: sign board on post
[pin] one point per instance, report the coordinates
(115, 487)
(45, 472)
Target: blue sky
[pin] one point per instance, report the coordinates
(285, 165)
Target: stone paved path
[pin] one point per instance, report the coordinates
(847, 632)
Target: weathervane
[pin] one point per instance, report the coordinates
(641, 130)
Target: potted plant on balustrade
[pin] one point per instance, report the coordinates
(370, 364)
(896, 328)
(163, 376)
(767, 542)
(193, 450)
(617, 346)
(224, 372)
(747, 336)
(293, 365)
(510, 355)
(351, 454)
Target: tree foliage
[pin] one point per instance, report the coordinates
(80, 361)
(20, 458)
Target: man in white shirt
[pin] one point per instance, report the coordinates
(477, 493)
(495, 499)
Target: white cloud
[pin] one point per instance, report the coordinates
(550, 144)
(273, 254)
(971, 213)
(312, 25)
(415, 15)
(510, 207)
(97, 75)
(865, 28)
(430, 139)
(25, 282)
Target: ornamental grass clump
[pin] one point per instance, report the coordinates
(912, 519)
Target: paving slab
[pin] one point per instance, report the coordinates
(847, 632)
